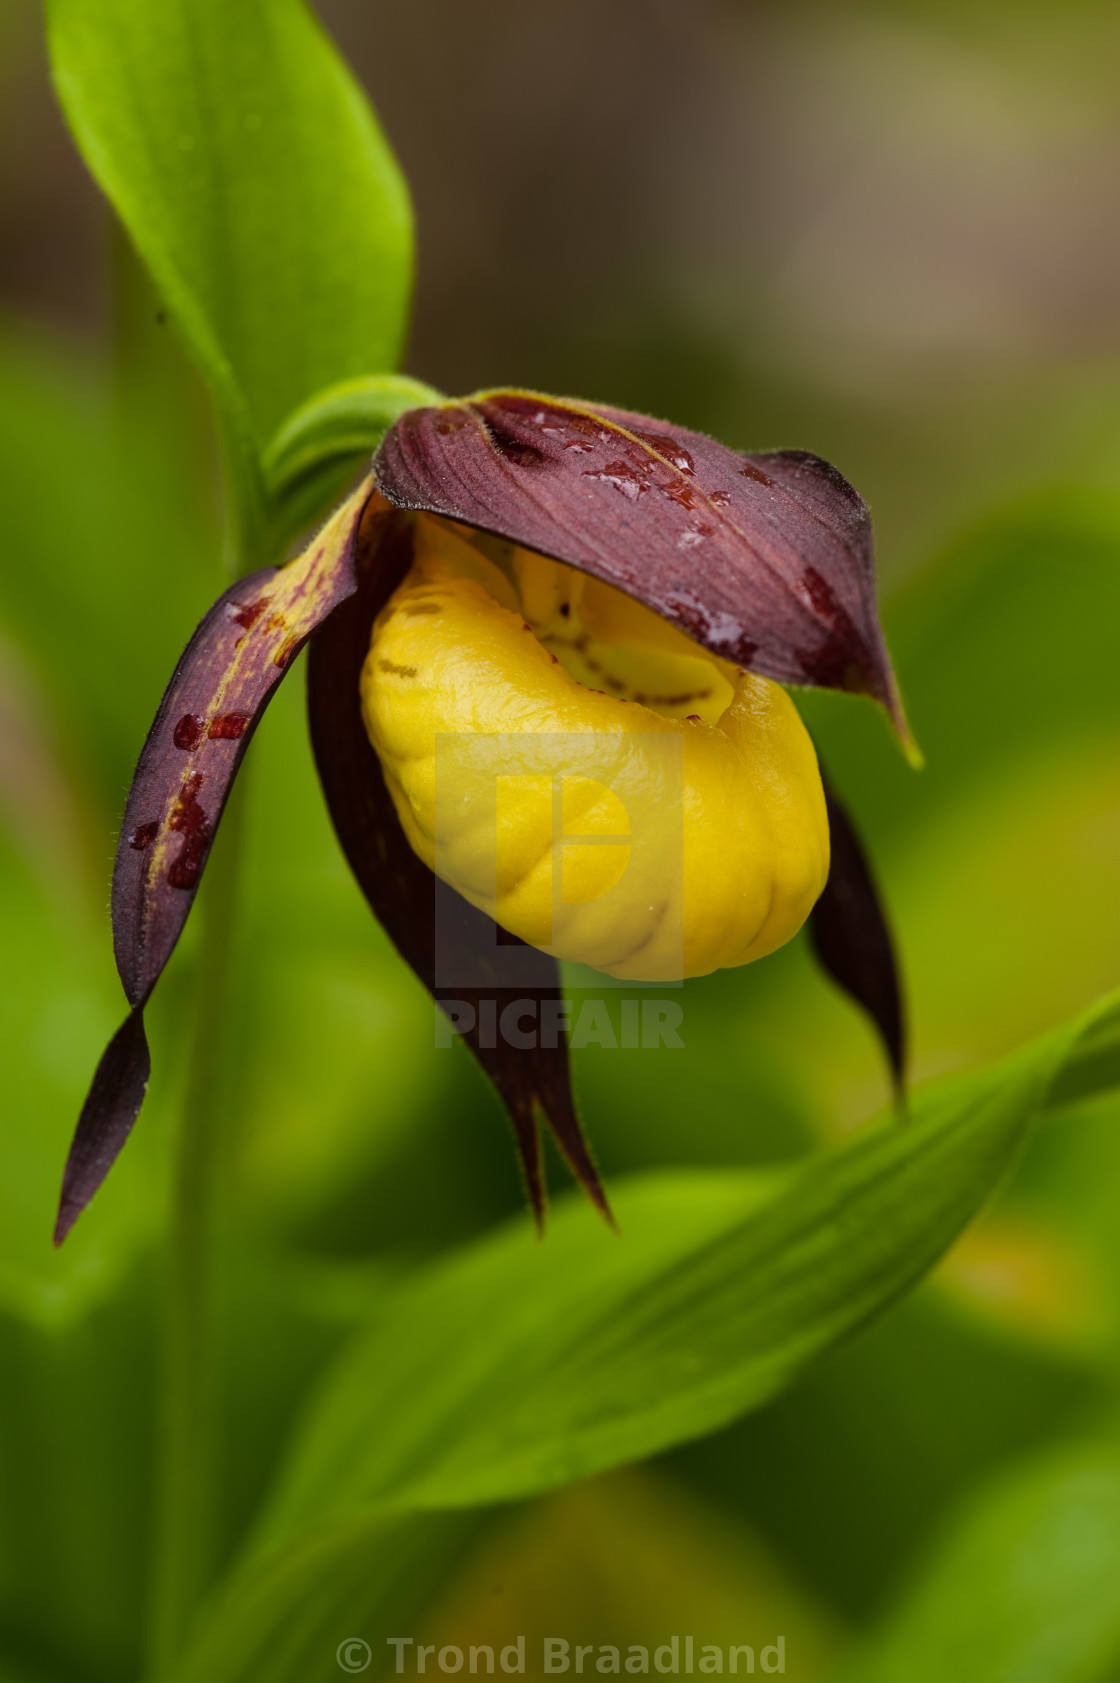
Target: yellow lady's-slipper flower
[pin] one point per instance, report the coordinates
(523, 646)
(548, 640)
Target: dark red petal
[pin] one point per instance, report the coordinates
(765, 560)
(853, 942)
(402, 891)
(220, 689)
(106, 1121)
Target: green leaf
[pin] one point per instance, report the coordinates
(1092, 1067)
(288, 1616)
(251, 174)
(515, 1367)
(317, 450)
(1024, 1586)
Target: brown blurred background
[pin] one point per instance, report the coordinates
(884, 232)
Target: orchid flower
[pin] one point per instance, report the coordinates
(519, 572)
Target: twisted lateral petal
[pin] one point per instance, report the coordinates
(112, 1106)
(766, 560)
(220, 689)
(409, 901)
(853, 942)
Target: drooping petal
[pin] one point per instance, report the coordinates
(112, 1106)
(409, 901)
(221, 687)
(853, 942)
(766, 560)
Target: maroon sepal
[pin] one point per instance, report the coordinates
(849, 931)
(766, 560)
(402, 891)
(221, 687)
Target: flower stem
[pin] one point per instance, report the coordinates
(188, 1465)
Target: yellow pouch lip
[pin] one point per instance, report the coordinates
(452, 656)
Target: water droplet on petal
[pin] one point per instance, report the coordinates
(669, 448)
(696, 534)
(623, 477)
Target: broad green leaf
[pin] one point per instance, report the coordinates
(251, 175)
(1093, 1066)
(310, 1611)
(514, 1367)
(1024, 1588)
(846, 1472)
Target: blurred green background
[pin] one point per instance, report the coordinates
(885, 233)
